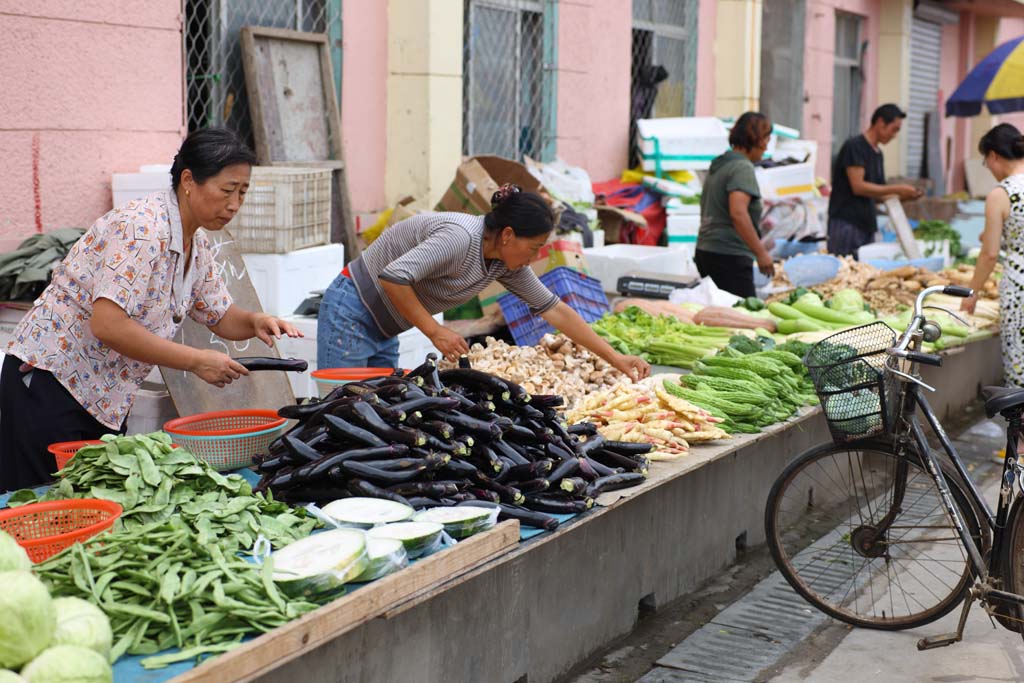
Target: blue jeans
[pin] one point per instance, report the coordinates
(347, 336)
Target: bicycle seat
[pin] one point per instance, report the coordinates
(1002, 400)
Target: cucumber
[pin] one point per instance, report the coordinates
(459, 522)
(385, 556)
(417, 537)
(365, 513)
(317, 567)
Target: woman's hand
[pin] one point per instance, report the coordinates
(968, 305)
(765, 264)
(216, 368)
(634, 367)
(450, 344)
(268, 328)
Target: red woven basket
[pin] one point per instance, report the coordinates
(44, 529)
(65, 450)
(227, 439)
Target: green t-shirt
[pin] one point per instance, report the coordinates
(731, 172)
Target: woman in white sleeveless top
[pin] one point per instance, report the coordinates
(1002, 150)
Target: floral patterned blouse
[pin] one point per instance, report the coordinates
(133, 256)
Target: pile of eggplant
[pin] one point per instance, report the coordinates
(431, 438)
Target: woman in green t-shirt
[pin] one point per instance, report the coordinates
(730, 211)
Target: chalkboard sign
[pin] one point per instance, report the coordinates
(191, 395)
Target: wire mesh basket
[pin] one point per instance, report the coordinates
(859, 398)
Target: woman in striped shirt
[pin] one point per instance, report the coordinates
(433, 262)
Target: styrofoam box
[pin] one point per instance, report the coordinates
(151, 410)
(413, 346)
(283, 281)
(893, 251)
(786, 182)
(578, 237)
(128, 186)
(698, 138)
(682, 229)
(612, 261)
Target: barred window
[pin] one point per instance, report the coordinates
(508, 78)
(849, 80)
(214, 77)
(664, 82)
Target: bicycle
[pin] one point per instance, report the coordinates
(875, 528)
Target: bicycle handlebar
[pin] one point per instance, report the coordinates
(918, 319)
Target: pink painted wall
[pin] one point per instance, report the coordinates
(364, 101)
(90, 87)
(950, 129)
(818, 69)
(707, 17)
(594, 56)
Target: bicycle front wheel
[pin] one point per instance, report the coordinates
(861, 532)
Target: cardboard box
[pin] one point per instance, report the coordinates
(612, 220)
(553, 255)
(478, 178)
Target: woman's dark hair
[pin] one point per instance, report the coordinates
(1005, 140)
(749, 130)
(888, 113)
(207, 152)
(527, 213)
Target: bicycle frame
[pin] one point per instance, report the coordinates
(994, 523)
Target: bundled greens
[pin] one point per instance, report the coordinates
(936, 231)
(662, 340)
(155, 482)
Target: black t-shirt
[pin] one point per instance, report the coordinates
(843, 203)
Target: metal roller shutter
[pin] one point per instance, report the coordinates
(925, 54)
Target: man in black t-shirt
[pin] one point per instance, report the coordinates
(858, 180)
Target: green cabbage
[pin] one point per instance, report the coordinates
(68, 664)
(10, 677)
(12, 555)
(811, 298)
(29, 618)
(82, 623)
(848, 301)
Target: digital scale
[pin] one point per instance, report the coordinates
(654, 285)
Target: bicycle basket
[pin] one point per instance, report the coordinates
(859, 398)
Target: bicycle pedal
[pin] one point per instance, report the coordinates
(933, 642)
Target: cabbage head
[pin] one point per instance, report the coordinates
(12, 555)
(29, 618)
(811, 298)
(82, 623)
(68, 664)
(10, 677)
(848, 301)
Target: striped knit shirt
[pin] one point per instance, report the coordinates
(441, 256)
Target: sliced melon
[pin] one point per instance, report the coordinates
(366, 513)
(317, 567)
(386, 555)
(417, 537)
(460, 521)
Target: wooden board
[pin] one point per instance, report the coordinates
(289, 79)
(192, 395)
(899, 222)
(437, 572)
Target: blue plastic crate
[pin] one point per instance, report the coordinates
(582, 293)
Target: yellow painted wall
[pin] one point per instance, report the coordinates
(737, 66)
(894, 71)
(424, 98)
(986, 32)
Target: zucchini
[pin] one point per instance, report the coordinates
(365, 513)
(384, 556)
(460, 521)
(418, 538)
(317, 567)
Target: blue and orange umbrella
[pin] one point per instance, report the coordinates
(997, 82)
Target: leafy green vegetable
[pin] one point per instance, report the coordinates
(936, 231)
(660, 339)
(847, 301)
(10, 677)
(68, 664)
(12, 555)
(84, 624)
(28, 620)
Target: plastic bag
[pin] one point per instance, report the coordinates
(706, 293)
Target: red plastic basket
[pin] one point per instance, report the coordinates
(65, 450)
(227, 439)
(44, 529)
(328, 379)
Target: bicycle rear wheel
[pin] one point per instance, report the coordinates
(1009, 615)
(826, 528)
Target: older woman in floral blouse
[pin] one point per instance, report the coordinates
(114, 305)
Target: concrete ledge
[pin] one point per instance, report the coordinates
(534, 613)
